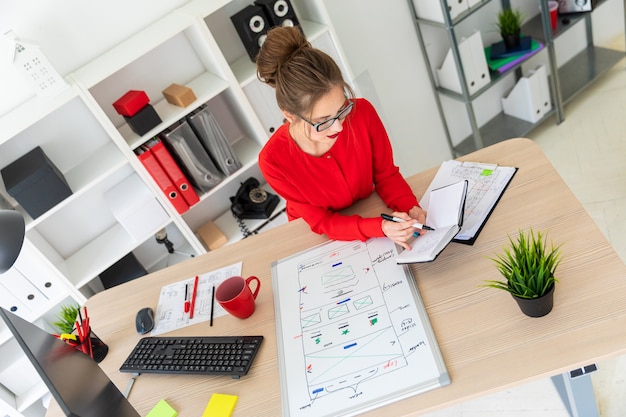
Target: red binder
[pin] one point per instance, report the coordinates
(164, 182)
(172, 169)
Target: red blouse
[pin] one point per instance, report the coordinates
(316, 188)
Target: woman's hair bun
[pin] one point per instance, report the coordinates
(281, 44)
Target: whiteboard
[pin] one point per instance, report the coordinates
(352, 330)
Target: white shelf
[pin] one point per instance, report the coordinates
(96, 168)
(205, 87)
(125, 53)
(195, 45)
(30, 112)
(245, 70)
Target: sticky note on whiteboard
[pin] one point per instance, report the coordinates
(220, 405)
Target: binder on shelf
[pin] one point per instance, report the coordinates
(135, 207)
(263, 100)
(529, 99)
(23, 290)
(214, 140)
(504, 64)
(431, 9)
(180, 180)
(474, 64)
(193, 158)
(164, 182)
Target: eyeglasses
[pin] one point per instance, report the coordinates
(326, 124)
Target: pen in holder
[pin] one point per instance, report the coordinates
(88, 342)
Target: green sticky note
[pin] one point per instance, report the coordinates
(486, 172)
(162, 409)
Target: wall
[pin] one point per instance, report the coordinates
(70, 33)
(378, 39)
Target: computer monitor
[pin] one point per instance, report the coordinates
(78, 384)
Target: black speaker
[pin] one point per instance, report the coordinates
(279, 12)
(251, 24)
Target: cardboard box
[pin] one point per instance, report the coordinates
(144, 120)
(212, 236)
(179, 95)
(131, 102)
(35, 182)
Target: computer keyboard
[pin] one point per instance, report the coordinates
(208, 355)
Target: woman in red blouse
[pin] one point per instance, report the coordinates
(333, 150)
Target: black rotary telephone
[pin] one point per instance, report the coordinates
(252, 202)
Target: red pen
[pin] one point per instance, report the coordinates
(193, 297)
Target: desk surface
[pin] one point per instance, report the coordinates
(487, 343)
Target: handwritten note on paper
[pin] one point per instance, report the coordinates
(170, 313)
(487, 182)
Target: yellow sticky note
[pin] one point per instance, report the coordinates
(162, 409)
(220, 405)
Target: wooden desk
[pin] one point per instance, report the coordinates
(487, 343)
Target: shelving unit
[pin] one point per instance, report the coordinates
(79, 130)
(565, 80)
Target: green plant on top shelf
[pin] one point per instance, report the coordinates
(509, 22)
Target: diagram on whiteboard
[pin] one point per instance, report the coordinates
(351, 329)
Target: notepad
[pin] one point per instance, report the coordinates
(220, 405)
(162, 409)
(445, 214)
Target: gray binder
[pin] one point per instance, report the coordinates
(214, 141)
(192, 157)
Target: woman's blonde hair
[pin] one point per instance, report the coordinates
(300, 73)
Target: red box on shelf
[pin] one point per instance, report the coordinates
(131, 102)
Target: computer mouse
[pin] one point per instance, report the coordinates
(144, 320)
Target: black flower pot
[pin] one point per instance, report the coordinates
(511, 42)
(536, 307)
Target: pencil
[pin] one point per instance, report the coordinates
(212, 304)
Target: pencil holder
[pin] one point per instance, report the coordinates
(96, 348)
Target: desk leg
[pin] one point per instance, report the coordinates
(577, 393)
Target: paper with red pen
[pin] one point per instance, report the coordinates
(170, 312)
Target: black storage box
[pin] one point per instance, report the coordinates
(144, 120)
(35, 182)
(124, 270)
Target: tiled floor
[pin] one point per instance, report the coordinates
(589, 151)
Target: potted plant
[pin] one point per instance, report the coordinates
(66, 324)
(509, 25)
(528, 266)
(66, 318)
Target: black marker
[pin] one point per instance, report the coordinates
(399, 220)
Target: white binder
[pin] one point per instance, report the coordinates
(431, 9)
(263, 99)
(23, 290)
(529, 99)
(474, 65)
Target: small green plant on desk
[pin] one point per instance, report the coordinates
(528, 267)
(66, 319)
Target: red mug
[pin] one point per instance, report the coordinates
(236, 297)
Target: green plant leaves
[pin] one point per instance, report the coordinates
(66, 318)
(527, 265)
(509, 21)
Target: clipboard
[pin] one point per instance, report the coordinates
(486, 185)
